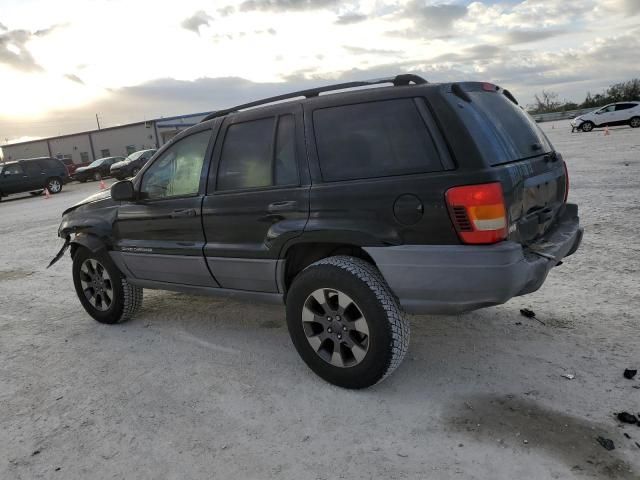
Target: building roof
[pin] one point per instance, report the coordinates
(86, 132)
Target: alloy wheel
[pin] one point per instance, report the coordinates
(635, 122)
(335, 327)
(54, 186)
(96, 284)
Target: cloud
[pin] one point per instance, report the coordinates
(286, 5)
(528, 36)
(370, 51)
(13, 51)
(46, 31)
(73, 78)
(350, 18)
(195, 21)
(226, 11)
(434, 17)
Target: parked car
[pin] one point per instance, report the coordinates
(131, 165)
(621, 113)
(350, 208)
(32, 175)
(96, 170)
(72, 167)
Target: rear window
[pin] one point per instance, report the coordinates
(502, 130)
(375, 139)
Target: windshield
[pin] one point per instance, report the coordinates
(95, 163)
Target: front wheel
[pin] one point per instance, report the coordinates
(103, 292)
(634, 122)
(346, 323)
(587, 126)
(54, 185)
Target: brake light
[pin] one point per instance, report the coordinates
(478, 212)
(566, 182)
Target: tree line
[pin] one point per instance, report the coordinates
(548, 101)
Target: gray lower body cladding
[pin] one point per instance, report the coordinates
(450, 279)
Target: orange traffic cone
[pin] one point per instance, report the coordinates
(606, 130)
(47, 195)
(102, 185)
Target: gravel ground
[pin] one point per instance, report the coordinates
(197, 387)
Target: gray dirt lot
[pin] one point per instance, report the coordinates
(197, 387)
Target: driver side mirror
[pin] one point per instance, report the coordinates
(122, 191)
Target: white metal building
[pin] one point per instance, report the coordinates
(106, 142)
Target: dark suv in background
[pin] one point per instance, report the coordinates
(350, 208)
(32, 175)
(130, 166)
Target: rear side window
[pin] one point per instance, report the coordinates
(375, 139)
(255, 154)
(624, 106)
(33, 168)
(53, 164)
(502, 130)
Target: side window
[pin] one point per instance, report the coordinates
(33, 168)
(375, 139)
(249, 159)
(624, 106)
(52, 164)
(14, 169)
(177, 172)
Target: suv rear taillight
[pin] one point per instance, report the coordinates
(478, 212)
(566, 181)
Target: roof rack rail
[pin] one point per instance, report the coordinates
(398, 80)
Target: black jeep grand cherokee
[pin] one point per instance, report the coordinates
(350, 208)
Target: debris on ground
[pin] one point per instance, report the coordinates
(569, 376)
(626, 417)
(525, 312)
(627, 435)
(35, 452)
(403, 455)
(629, 373)
(606, 443)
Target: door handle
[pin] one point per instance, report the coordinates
(286, 206)
(183, 212)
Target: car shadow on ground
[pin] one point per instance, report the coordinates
(514, 422)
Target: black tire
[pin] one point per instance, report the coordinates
(634, 122)
(587, 126)
(82, 179)
(97, 176)
(127, 298)
(36, 193)
(387, 336)
(54, 185)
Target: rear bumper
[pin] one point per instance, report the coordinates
(450, 279)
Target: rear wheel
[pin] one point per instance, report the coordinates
(54, 185)
(97, 176)
(103, 292)
(587, 126)
(345, 322)
(634, 122)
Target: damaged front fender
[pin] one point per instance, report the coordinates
(89, 224)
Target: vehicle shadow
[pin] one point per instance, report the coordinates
(520, 423)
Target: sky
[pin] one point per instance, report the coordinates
(63, 62)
